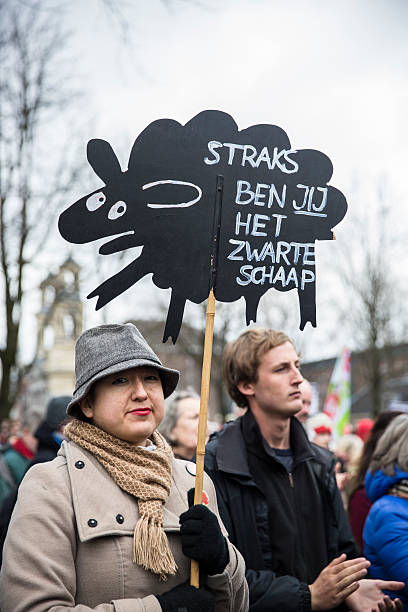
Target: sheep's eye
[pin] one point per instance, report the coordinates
(117, 210)
(95, 201)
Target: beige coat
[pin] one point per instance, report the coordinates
(70, 541)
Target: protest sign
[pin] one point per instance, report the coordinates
(275, 203)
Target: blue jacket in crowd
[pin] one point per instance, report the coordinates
(386, 531)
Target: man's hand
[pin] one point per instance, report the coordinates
(342, 479)
(337, 581)
(370, 597)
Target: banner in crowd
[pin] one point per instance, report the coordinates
(338, 401)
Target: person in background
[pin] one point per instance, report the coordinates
(106, 526)
(4, 432)
(50, 432)
(180, 423)
(49, 435)
(320, 427)
(363, 428)
(322, 435)
(7, 482)
(16, 455)
(358, 502)
(386, 527)
(307, 395)
(348, 449)
(15, 426)
(21, 450)
(277, 492)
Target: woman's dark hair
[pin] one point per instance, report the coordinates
(90, 396)
(378, 429)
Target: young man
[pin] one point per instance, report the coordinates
(277, 492)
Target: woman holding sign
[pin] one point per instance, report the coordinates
(106, 525)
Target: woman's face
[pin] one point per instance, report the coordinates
(128, 405)
(185, 432)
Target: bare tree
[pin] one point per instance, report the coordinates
(373, 286)
(32, 182)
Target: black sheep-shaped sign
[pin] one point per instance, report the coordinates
(275, 203)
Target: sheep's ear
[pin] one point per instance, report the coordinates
(103, 160)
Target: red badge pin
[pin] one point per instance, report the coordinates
(205, 499)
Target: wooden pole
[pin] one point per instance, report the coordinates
(206, 370)
(202, 422)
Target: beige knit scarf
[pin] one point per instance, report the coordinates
(144, 474)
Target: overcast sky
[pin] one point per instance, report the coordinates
(332, 74)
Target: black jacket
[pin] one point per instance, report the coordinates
(47, 448)
(244, 511)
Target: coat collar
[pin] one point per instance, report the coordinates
(96, 497)
(231, 451)
(231, 447)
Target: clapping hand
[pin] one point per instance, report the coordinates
(337, 581)
(369, 597)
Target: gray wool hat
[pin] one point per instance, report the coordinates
(108, 349)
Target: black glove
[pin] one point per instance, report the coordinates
(202, 540)
(185, 598)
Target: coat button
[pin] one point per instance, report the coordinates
(79, 465)
(92, 522)
(120, 519)
(191, 468)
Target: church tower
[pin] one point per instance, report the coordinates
(59, 325)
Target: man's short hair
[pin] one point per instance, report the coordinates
(241, 359)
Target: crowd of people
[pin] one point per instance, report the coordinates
(97, 510)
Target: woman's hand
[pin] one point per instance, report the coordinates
(202, 540)
(188, 598)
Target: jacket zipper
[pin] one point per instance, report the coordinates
(291, 479)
